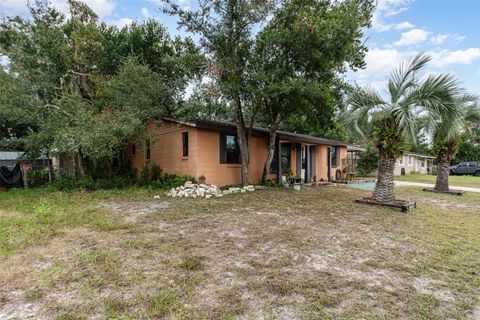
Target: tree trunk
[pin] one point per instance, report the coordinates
(443, 170)
(384, 187)
(242, 140)
(80, 168)
(271, 152)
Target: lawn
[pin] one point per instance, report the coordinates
(461, 181)
(272, 254)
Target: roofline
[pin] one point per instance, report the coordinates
(419, 154)
(351, 147)
(231, 127)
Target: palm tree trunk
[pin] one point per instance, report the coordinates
(384, 187)
(443, 171)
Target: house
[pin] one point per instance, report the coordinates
(413, 162)
(208, 150)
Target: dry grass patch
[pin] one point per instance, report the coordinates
(274, 254)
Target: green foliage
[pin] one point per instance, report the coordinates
(38, 178)
(395, 121)
(367, 161)
(145, 176)
(175, 180)
(80, 87)
(155, 173)
(467, 151)
(65, 183)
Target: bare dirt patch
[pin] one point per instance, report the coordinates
(313, 254)
(133, 210)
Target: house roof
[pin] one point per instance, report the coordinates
(230, 127)
(419, 155)
(353, 148)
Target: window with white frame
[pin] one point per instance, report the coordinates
(422, 163)
(409, 160)
(400, 161)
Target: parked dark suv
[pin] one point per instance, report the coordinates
(472, 168)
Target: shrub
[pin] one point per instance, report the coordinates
(155, 173)
(145, 176)
(176, 180)
(367, 161)
(38, 178)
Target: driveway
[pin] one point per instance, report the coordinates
(429, 185)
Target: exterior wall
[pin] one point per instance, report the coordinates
(166, 151)
(414, 166)
(204, 156)
(208, 161)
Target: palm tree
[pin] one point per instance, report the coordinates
(396, 118)
(447, 133)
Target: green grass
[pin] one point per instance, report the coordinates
(274, 253)
(461, 181)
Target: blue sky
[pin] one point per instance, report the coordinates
(449, 30)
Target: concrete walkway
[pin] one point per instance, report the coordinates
(428, 185)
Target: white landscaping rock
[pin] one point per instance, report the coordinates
(193, 190)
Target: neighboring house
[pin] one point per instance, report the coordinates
(414, 162)
(209, 150)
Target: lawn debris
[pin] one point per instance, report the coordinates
(454, 192)
(404, 205)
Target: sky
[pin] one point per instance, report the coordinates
(448, 30)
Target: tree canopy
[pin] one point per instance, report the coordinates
(84, 88)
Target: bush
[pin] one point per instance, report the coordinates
(155, 173)
(66, 183)
(175, 180)
(367, 161)
(145, 176)
(38, 178)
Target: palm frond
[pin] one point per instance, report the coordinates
(402, 78)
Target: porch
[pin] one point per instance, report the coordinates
(299, 162)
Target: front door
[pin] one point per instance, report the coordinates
(304, 162)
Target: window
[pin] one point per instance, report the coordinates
(422, 163)
(185, 143)
(229, 149)
(334, 156)
(148, 149)
(134, 150)
(286, 159)
(409, 160)
(400, 161)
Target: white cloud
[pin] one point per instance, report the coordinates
(13, 7)
(145, 12)
(102, 7)
(444, 58)
(388, 8)
(441, 38)
(380, 62)
(414, 36)
(404, 25)
(120, 23)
